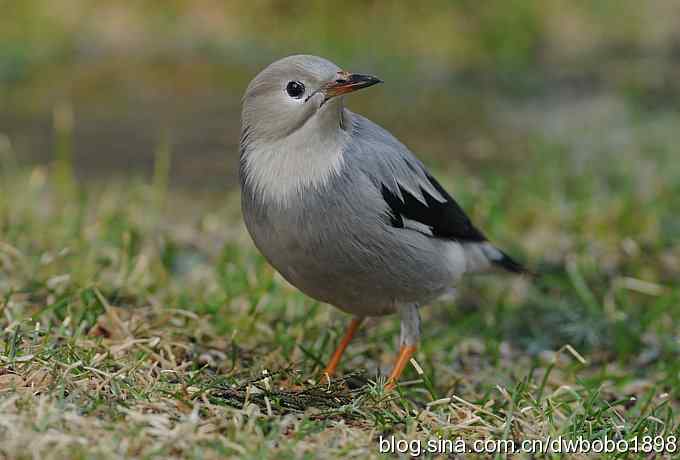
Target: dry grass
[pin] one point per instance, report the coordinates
(124, 336)
(137, 323)
(141, 323)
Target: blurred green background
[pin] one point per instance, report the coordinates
(554, 123)
(470, 86)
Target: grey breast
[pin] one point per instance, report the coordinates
(337, 244)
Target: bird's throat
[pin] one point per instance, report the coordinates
(279, 172)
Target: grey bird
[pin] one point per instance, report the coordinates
(342, 209)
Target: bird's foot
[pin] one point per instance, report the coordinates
(405, 354)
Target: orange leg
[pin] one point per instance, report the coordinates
(405, 354)
(335, 359)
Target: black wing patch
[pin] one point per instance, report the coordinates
(446, 219)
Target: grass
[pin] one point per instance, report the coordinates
(140, 322)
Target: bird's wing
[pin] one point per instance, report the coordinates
(414, 198)
(412, 194)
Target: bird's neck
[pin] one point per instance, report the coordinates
(280, 172)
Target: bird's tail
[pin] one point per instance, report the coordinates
(482, 257)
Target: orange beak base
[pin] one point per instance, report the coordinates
(349, 82)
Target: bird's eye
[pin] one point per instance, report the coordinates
(295, 89)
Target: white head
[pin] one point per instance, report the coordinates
(294, 124)
(291, 91)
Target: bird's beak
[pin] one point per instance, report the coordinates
(347, 82)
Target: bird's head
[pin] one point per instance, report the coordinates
(294, 90)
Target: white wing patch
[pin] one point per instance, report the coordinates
(417, 193)
(417, 226)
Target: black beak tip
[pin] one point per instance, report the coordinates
(371, 80)
(364, 80)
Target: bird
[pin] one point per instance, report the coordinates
(343, 210)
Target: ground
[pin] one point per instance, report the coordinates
(139, 321)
